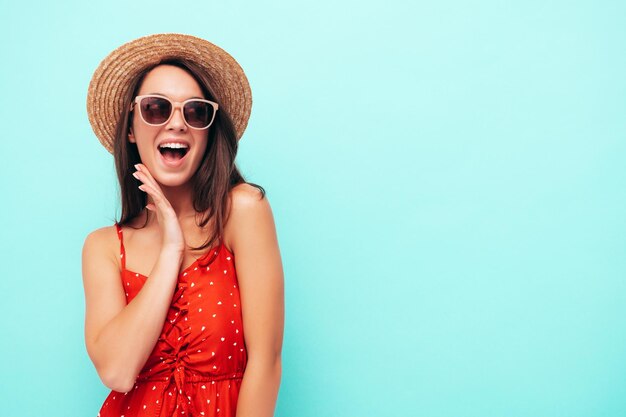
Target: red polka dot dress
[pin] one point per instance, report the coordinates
(197, 364)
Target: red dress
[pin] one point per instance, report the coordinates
(197, 364)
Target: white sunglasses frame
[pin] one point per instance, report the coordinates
(175, 105)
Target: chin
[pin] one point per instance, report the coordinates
(173, 179)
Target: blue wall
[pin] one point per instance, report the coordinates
(447, 178)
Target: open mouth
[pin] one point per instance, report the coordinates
(173, 152)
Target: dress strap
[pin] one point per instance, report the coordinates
(122, 251)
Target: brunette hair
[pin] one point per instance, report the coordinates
(215, 177)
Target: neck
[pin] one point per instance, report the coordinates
(180, 200)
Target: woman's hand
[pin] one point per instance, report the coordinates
(171, 232)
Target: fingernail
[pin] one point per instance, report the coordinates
(135, 175)
(141, 188)
(137, 167)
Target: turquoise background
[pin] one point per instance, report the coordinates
(447, 178)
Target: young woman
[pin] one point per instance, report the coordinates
(184, 294)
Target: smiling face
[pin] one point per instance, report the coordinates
(165, 162)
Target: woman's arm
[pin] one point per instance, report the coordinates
(120, 337)
(261, 285)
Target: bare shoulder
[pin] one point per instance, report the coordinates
(250, 213)
(101, 244)
(102, 238)
(247, 200)
(245, 194)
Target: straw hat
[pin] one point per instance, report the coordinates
(112, 79)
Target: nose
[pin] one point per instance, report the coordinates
(177, 122)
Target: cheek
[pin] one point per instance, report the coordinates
(144, 134)
(144, 140)
(202, 142)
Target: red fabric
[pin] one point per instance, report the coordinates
(197, 364)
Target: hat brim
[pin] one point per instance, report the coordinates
(113, 77)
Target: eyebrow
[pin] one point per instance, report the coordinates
(165, 95)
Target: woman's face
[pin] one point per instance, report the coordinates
(164, 163)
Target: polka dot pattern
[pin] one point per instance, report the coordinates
(197, 364)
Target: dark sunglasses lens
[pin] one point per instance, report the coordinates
(155, 110)
(198, 114)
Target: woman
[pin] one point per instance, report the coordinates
(184, 294)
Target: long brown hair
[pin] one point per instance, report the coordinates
(215, 177)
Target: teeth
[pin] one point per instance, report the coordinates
(173, 145)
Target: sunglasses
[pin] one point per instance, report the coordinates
(157, 110)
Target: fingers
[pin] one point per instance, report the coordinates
(149, 186)
(145, 176)
(165, 214)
